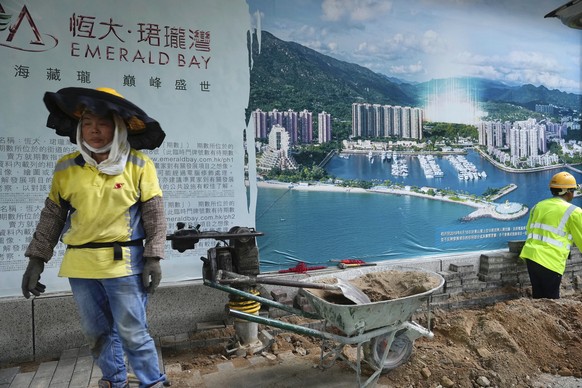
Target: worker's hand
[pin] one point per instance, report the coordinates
(151, 269)
(31, 277)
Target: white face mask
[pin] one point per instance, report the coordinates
(101, 150)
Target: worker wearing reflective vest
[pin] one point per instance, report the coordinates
(554, 225)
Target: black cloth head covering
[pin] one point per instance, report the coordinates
(68, 104)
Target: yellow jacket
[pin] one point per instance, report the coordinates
(553, 226)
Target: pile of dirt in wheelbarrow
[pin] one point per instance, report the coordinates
(382, 285)
(516, 343)
(388, 285)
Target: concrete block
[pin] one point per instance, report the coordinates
(509, 277)
(493, 284)
(453, 283)
(499, 257)
(460, 260)
(490, 277)
(180, 307)
(448, 275)
(492, 267)
(57, 325)
(523, 279)
(470, 282)
(278, 294)
(462, 268)
(16, 340)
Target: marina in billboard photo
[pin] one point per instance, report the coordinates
(396, 136)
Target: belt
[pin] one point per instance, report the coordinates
(117, 253)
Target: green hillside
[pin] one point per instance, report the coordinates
(287, 75)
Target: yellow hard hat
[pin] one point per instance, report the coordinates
(110, 91)
(563, 180)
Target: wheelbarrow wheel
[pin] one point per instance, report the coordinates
(399, 353)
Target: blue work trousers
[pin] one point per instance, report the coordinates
(113, 318)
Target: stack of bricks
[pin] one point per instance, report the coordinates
(503, 269)
(282, 297)
(459, 280)
(507, 269)
(463, 283)
(574, 266)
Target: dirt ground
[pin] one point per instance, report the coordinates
(508, 344)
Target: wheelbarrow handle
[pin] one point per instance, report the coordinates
(242, 279)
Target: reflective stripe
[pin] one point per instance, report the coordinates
(566, 215)
(559, 230)
(549, 240)
(547, 228)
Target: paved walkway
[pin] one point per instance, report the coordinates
(75, 369)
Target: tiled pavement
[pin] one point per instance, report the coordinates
(74, 369)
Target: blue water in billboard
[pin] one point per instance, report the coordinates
(316, 227)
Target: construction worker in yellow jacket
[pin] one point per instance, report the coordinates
(554, 225)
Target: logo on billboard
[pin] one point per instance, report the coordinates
(23, 33)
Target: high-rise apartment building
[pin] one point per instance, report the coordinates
(323, 127)
(416, 119)
(493, 133)
(381, 121)
(299, 125)
(260, 121)
(290, 123)
(305, 127)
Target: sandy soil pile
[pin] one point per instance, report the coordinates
(507, 344)
(388, 285)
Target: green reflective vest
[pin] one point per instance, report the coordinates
(553, 226)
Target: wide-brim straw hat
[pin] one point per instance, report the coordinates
(68, 104)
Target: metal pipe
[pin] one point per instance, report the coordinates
(312, 332)
(262, 300)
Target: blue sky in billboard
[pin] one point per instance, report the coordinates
(419, 40)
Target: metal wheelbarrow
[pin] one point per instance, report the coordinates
(382, 331)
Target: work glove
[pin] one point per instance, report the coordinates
(151, 269)
(31, 277)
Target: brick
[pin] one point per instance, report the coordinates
(469, 282)
(462, 268)
(447, 275)
(489, 277)
(278, 294)
(453, 282)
